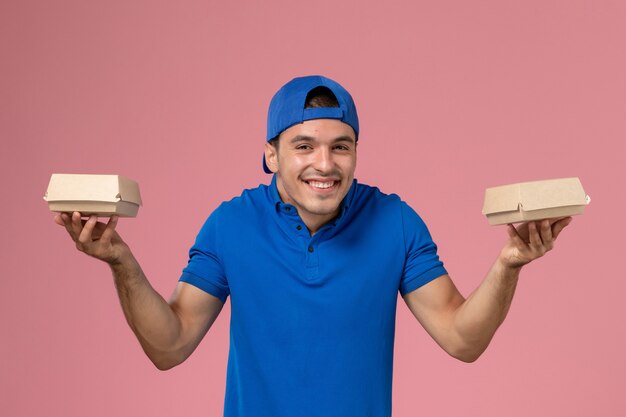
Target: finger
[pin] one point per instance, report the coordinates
(558, 227)
(66, 221)
(546, 232)
(109, 230)
(63, 219)
(533, 235)
(85, 234)
(67, 218)
(76, 226)
(522, 231)
(514, 235)
(555, 220)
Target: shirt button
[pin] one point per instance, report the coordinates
(311, 249)
(299, 227)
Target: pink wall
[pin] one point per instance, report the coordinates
(454, 96)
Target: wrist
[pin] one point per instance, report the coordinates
(508, 268)
(126, 270)
(123, 257)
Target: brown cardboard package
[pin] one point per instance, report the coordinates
(102, 195)
(526, 201)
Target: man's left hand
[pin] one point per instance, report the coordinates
(531, 240)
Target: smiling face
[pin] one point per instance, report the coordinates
(314, 166)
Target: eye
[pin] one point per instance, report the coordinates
(342, 148)
(303, 147)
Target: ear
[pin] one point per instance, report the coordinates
(271, 157)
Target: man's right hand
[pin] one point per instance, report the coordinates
(94, 238)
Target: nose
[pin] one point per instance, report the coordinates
(323, 161)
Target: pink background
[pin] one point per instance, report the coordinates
(453, 97)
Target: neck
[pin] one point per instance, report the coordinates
(314, 222)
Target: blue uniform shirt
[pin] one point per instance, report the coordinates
(312, 317)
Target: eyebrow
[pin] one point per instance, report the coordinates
(305, 138)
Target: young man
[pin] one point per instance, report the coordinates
(313, 264)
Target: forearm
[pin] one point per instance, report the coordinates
(478, 318)
(154, 322)
(464, 327)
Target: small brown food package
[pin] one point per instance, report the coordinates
(102, 195)
(535, 200)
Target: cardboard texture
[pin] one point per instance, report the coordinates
(102, 195)
(535, 200)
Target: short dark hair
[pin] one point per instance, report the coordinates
(318, 97)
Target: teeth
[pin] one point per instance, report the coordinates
(318, 184)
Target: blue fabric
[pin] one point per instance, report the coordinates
(312, 318)
(287, 106)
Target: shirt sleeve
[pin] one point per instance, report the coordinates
(422, 263)
(204, 268)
